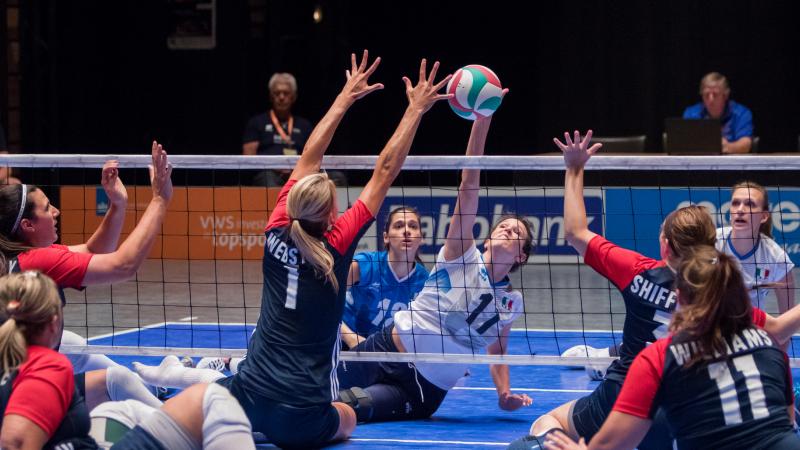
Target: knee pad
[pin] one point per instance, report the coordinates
(359, 400)
(220, 407)
(526, 443)
(112, 420)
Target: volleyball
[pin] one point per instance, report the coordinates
(476, 90)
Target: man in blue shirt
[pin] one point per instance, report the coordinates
(736, 119)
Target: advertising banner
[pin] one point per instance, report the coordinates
(227, 223)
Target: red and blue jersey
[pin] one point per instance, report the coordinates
(293, 353)
(646, 287)
(43, 391)
(735, 400)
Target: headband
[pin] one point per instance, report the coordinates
(22, 203)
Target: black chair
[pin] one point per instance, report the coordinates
(754, 146)
(621, 144)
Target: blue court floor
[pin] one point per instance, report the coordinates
(469, 416)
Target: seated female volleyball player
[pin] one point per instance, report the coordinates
(41, 407)
(713, 359)
(287, 385)
(466, 306)
(381, 283)
(27, 236)
(647, 289)
(764, 264)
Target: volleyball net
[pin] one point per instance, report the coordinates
(199, 292)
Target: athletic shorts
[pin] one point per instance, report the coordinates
(138, 439)
(591, 411)
(287, 426)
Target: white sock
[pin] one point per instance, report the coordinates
(225, 424)
(84, 362)
(122, 384)
(171, 373)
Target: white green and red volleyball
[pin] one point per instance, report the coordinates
(476, 92)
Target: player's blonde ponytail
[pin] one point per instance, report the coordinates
(310, 207)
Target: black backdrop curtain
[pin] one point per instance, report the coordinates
(98, 77)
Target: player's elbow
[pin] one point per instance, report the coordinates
(123, 268)
(12, 441)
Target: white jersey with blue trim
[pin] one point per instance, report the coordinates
(766, 263)
(458, 311)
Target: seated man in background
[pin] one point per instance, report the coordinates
(736, 119)
(279, 132)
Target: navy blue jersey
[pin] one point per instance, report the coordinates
(293, 353)
(646, 287)
(379, 293)
(735, 400)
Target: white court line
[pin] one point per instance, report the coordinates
(563, 391)
(128, 331)
(426, 441)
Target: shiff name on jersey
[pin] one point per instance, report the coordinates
(280, 251)
(653, 293)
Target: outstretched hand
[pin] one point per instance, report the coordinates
(512, 402)
(357, 85)
(115, 189)
(425, 93)
(576, 150)
(486, 120)
(160, 173)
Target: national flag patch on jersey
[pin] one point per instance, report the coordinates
(761, 273)
(507, 303)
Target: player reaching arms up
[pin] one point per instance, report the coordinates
(288, 382)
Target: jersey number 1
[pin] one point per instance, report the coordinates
(729, 398)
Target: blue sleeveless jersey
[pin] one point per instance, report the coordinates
(379, 293)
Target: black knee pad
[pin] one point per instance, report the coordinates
(359, 400)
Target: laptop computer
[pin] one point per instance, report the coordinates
(693, 136)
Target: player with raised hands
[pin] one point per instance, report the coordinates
(287, 384)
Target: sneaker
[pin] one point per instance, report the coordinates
(596, 372)
(217, 364)
(578, 351)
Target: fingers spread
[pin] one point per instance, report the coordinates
(435, 69)
(373, 66)
(422, 70)
(441, 84)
